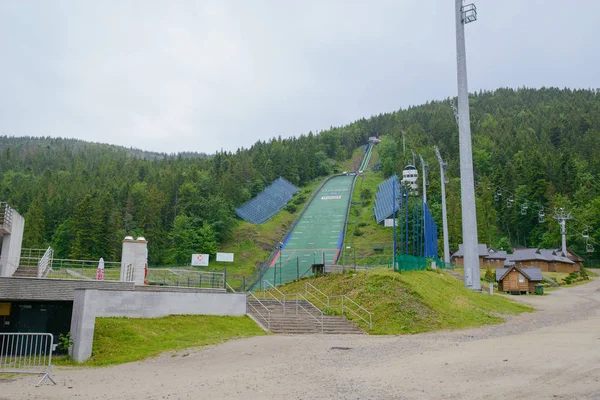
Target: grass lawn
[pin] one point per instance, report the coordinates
(363, 234)
(414, 302)
(121, 340)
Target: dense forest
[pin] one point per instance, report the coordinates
(534, 151)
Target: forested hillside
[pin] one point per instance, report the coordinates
(538, 146)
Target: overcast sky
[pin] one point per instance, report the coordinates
(204, 75)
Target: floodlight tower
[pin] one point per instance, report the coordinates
(424, 168)
(465, 14)
(443, 167)
(562, 217)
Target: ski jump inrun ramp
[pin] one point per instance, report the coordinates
(318, 235)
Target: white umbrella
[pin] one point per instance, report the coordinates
(100, 270)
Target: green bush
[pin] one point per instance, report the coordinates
(490, 275)
(291, 208)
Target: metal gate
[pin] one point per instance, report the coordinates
(27, 353)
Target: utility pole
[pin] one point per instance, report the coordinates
(464, 15)
(424, 168)
(562, 217)
(443, 167)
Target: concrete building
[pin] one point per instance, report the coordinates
(63, 305)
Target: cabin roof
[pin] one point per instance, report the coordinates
(533, 274)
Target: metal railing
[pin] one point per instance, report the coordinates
(27, 353)
(186, 278)
(344, 302)
(45, 263)
(321, 313)
(5, 217)
(266, 319)
(282, 301)
(32, 253)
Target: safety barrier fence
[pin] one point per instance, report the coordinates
(27, 353)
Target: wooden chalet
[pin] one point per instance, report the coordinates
(518, 280)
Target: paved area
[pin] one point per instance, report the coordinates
(553, 353)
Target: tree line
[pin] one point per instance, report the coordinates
(537, 145)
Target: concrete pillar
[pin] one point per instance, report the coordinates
(133, 260)
(11, 244)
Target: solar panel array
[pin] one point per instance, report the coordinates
(268, 202)
(384, 199)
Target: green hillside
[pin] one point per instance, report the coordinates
(413, 302)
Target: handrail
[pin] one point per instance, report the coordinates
(308, 312)
(229, 286)
(258, 312)
(307, 285)
(45, 263)
(370, 321)
(265, 291)
(345, 307)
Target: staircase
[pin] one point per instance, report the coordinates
(25, 271)
(454, 274)
(299, 317)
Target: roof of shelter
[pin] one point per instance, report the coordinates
(481, 249)
(533, 274)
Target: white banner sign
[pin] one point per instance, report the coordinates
(389, 222)
(200, 260)
(226, 257)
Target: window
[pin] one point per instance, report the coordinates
(521, 279)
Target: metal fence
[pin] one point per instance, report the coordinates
(27, 353)
(186, 278)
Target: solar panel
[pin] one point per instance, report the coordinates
(268, 202)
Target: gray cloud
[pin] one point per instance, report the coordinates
(205, 75)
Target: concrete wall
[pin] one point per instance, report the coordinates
(90, 303)
(11, 246)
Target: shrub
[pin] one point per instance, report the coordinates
(291, 208)
(490, 275)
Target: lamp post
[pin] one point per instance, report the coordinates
(464, 15)
(443, 167)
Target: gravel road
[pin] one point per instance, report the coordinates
(553, 353)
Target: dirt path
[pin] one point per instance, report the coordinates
(550, 354)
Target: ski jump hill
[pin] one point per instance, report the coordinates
(318, 235)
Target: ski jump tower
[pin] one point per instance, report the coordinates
(12, 225)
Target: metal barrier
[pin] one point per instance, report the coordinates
(267, 319)
(45, 263)
(5, 217)
(27, 353)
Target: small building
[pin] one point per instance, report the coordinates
(458, 257)
(518, 280)
(496, 259)
(546, 260)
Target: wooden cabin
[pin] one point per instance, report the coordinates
(518, 280)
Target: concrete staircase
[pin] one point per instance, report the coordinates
(306, 320)
(25, 271)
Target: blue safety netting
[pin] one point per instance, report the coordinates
(268, 202)
(386, 203)
(431, 234)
